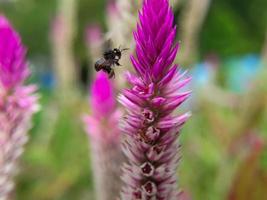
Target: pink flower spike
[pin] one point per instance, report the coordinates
(13, 65)
(102, 127)
(151, 129)
(93, 34)
(102, 97)
(17, 105)
(112, 8)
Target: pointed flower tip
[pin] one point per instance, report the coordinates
(102, 95)
(150, 102)
(13, 65)
(189, 92)
(156, 50)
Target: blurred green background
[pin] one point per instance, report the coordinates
(224, 154)
(232, 27)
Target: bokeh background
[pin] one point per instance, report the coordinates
(224, 47)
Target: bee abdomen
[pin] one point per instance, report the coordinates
(97, 67)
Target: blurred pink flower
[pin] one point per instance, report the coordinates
(17, 104)
(93, 34)
(102, 99)
(112, 8)
(58, 28)
(102, 124)
(95, 43)
(150, 127)
(102, 127)
(13, 66)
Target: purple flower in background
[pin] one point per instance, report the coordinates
(17, 104)
(104, 111)
(112, 9)
(103, 97)
(94, 42)
(102, 127)
(93, 34)
(13, 67)
(151, 129)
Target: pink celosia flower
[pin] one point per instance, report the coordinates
(17, 104)
(113, 17)
(151, 129)
(112, 8)
(104, 112)
(58, 29)
(93, 34)
(102, 101)
(13, 67)
(102, 127)
(94, 42)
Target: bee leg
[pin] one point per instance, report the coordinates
(111, 74)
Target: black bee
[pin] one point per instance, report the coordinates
(110, 58)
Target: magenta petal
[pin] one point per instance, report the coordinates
(169, 76)
(137, 66)
(172, 55)
(133, 97)
(18, 103)
(128, 104)
(175, 101)
(158, 101)
(102, 98)
(173, 122)
(13, 65)
(150, 127)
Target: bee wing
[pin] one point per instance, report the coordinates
(108, 44)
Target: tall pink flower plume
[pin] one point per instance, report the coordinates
(13, 67)
(102, 127)
(150, 127)
(17, 104)
(103, 97)
(104, 112)
(112, 9)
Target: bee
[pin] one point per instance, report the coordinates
(110, 58)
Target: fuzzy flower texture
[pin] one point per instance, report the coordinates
(104, 134)
(105, 116)
(17, 104)
(151, 128)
